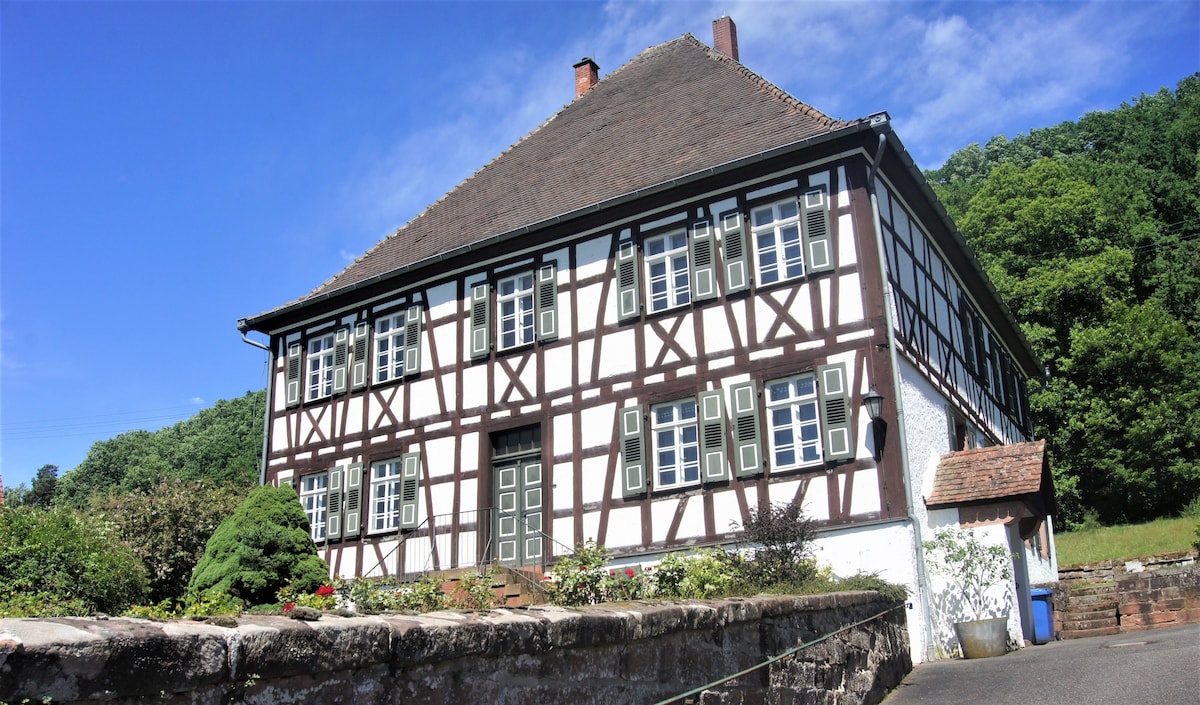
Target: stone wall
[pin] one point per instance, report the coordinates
(1127, 596)
(628, 653)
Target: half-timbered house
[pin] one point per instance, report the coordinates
(662, 308)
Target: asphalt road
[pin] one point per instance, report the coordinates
(1159, 667)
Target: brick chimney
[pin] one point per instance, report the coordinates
(725, 37)
(587, 73)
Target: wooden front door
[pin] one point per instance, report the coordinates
(517, 479)
(519, 512)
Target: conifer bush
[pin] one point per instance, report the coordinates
(263, 547)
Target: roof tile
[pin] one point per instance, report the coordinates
(991, 473)
(675, 109)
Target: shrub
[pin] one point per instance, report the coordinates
(700, 575)
(579, 579)
(57, 562)
(168, 526)
(781, 539)
(475, 591)
(972, 566)
(263, 547)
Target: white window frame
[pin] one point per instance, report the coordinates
(385, 495)
(318, 367)
(668, 272)
(785, 243)
(675, 437)
(314, 497)
(515, 306)
(792, 405)
(389, 347)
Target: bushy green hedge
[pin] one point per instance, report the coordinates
(264, 547)
(60, 562)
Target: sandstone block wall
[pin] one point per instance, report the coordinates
(628, 653)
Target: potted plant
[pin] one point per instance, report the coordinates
(973, 569)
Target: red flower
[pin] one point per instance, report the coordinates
(583, 567)
(629, 572)
(324, 591)
(612, 572)
(288, 607)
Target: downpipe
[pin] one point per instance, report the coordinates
(922, 574)
(262, 464)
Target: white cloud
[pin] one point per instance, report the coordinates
(196, 401)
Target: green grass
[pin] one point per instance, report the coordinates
(1125, 542)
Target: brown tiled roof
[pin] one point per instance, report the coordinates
(675, 109)
(992, 473)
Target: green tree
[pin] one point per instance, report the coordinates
(1089, 231)
(263, 547)
(220, 443)
(168, 526)
(59, 562)
(41, 494)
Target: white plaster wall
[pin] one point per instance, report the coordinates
(424, 401)
(887, 550)
(564, 486)
(592, 483)
(617, 353)
(624, 527)
(597, 424)
(439, 457)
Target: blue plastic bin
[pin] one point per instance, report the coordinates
(1043, 614)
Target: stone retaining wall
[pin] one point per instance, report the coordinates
(1127, 596)
(629, 653)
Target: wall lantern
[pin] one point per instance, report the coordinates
(873, 401)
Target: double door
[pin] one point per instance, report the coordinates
(519, 511)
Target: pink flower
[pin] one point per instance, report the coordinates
(324, 591)
(629, 572)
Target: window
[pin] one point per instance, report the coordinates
(514, 297)
(676, 444)
(793, 423)
(385, 495)
(667, 276)
(389, 348)
(314, 497)
(776, 232)
(320, 367)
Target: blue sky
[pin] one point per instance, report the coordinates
(167, 168)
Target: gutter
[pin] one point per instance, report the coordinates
(906, 472)
(262, 464)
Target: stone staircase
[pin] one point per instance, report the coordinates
(1091, 609)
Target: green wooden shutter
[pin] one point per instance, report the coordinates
(481, 321)
(747, 456)
(341, 359)
(360, 356)
(633, 451)
(410, 483)
(818, 239)
(629, 304)
(295, 364)
(334, 495)
(835, 412)
(733, 239)
(352, 524)
(547, 303)
(713, 464)
(412, 341)
(702, 247)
